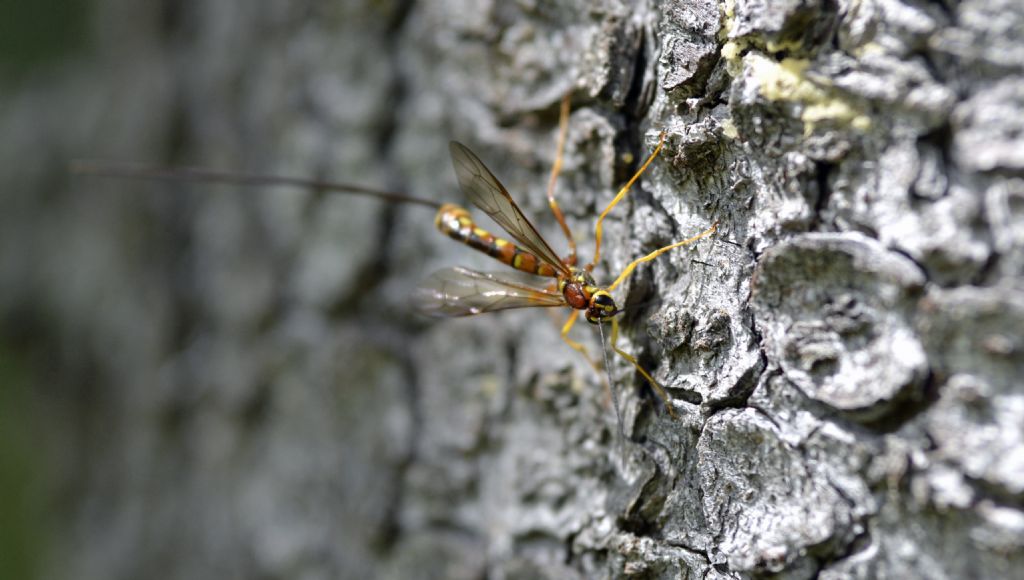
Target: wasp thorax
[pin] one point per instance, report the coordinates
(578, 289)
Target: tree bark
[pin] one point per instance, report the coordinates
(230, 382)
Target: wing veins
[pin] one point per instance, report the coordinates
(485, 192)
(463, 292)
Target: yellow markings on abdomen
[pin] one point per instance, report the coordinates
(456, 223)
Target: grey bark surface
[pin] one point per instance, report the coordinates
(233, 383)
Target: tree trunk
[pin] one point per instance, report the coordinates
(209, 381)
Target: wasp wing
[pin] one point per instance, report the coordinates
(462, 292)
(487, 193)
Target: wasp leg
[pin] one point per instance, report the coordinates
(556, 169)
(583, 350)
(658, 388)
(632, 265)
(576, 345)
(599, 227)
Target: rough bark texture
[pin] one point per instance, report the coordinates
(233, 384)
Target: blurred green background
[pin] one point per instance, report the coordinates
(38, 34)
(22, 510)
(37, 39)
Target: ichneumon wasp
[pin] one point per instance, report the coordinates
(461, 291)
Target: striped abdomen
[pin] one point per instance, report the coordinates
(456, 223)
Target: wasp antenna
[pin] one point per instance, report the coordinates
(203, 175)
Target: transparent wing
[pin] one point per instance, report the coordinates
(484, 190)
(461, 292)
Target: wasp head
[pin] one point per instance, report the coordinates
(602, 306)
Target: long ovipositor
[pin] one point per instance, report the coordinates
(457, 223)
